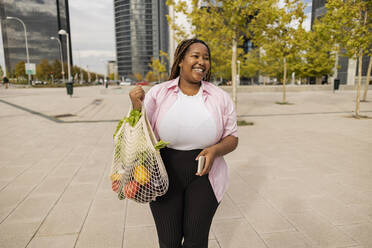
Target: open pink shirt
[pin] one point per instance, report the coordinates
(162, 96)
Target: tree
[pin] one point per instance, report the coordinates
(251, 64)
(279, 32)
(20, 70)
(138, 76)
(150, 76)
(350, 23)
(43, 70)
(367, 78)
(56, 68)
(318, 53)
(158, 66)
(222, 24)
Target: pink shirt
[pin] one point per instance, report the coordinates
(162, 96)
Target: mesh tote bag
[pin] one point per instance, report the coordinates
(137, 165)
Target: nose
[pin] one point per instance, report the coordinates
(201, 61)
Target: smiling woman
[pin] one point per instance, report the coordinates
(197, 119)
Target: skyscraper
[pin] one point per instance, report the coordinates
(42, 19)
(141, 30)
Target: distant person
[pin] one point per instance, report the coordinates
(6, 82)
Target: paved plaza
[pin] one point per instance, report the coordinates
(300, 177)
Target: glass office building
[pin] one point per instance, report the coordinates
(42, 19)
(141, 30)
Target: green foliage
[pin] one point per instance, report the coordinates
(56, 68)
(158, 67)
(161, 144)
(318, 52)
(150, 76)
(20, 70)
(43, 70)
(280, 34)
(350, 24)
(118, 126)
(1, 71)
(222, 24)
(133, 117)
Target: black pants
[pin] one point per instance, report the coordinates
(187, 209)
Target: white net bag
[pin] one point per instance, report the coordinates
(137, 166)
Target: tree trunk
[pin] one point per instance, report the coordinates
(359, 86)
(233, 71)
(284, 80)
(318, 80)
(367, 79)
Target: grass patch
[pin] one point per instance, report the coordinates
(245, 123)
(284, 103)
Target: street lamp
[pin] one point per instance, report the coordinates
(63, 32)
(60, 51)
(27, 56)
(238, 75)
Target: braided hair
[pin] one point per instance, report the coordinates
(179, 54)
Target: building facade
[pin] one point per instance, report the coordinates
(347, 68)
(142, 31)
(43, 19)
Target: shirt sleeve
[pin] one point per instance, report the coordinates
(229, 118)
(150, 104)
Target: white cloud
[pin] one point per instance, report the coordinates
(92, 33)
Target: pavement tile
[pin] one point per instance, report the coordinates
(104, 226)
(362, 233)
(287, 240)
(236, 233)
(264, 218)
(138, 215)
(32, 209)
(140, 237)
(64, 219)
(60, 241)
(319, 231)
(227, 210)
(336, 211)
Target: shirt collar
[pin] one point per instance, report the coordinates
(174, 85)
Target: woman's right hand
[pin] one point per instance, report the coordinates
(137, 95)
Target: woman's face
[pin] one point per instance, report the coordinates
(195, 65)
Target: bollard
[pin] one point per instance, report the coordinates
(70, 88)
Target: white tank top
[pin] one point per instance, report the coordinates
(188, 125)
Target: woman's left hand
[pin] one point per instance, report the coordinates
(210, 154)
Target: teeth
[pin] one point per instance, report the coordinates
(199, 70)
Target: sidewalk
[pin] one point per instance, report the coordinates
(301, 176)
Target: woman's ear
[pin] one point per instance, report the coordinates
(180, 64)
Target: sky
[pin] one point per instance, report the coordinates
(93, 33)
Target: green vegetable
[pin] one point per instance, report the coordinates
(118, 127)
(133, 117)
(161, 144)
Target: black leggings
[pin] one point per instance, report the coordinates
(187, 209)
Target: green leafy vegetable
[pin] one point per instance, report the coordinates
(118, 127)
(133, 117)
(161, 144)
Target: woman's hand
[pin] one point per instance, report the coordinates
(115, 185)
(210, 154)
(137, 95)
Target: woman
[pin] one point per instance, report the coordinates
(198, 119)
